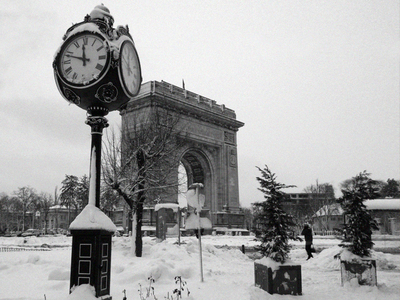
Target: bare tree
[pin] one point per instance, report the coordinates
(322, 198)
(25, 196)
(141, 162)
(109, 199)
(46, 201)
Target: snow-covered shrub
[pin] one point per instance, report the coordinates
(272, 223)
(358, 221)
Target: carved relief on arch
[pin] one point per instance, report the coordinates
(229, 138)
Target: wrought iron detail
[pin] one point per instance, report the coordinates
(121, 30)
(71, 96)
(97, 123)
(107, 93)
(114, 63)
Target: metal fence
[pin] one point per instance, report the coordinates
(326, 232)
(16, 249)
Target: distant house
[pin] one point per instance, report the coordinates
(387, 214)
(328, 218)
(385, 211)
(302, 201)
(60, 217)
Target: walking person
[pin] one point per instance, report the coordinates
(307, 232)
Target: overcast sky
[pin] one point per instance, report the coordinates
(315, 82)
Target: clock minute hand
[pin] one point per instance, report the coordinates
(83, 55)
(78, 57)
(128, 65)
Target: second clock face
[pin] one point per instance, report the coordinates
(130, 72)
(83, 59)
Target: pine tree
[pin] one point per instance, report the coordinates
(359, 222)
(272, 222)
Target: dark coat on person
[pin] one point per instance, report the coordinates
(307, 232)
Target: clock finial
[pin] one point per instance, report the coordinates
(103, 13)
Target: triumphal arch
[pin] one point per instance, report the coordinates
(209, 149)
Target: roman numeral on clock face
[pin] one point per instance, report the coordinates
(99, 67)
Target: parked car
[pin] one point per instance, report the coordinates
(31, 232)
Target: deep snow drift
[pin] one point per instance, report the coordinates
(228, 274)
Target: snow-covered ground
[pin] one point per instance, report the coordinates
(228, 274)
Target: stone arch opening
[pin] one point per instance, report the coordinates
(195, 168)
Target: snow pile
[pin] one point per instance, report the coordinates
(326, 259)
(164, 261)
(59, 274)
(84, 291)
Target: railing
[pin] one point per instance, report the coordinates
(326, 232)
(15, 249)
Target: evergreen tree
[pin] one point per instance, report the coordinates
(359, 223)
(272, 222)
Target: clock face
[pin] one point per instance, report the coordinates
(84, 58)
(129, 71)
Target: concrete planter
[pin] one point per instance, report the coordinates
(285, 280)
(364, 270)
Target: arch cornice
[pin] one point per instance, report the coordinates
(184, 102)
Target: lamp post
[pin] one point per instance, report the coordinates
(96, 68)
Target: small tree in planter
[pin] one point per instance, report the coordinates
(273, 225)
(356, 261)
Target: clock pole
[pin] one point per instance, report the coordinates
(97, 122)
(97, 69)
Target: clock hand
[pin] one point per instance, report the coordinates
(127, 62)
(81, 58)
(83, 55)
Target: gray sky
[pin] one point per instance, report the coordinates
(315, 82)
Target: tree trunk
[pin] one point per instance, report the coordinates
(139, 242)
(141, 197)
(133, 232)
(130, 218)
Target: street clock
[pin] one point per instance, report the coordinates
(97, 66)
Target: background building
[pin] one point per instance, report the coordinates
(385, 211)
